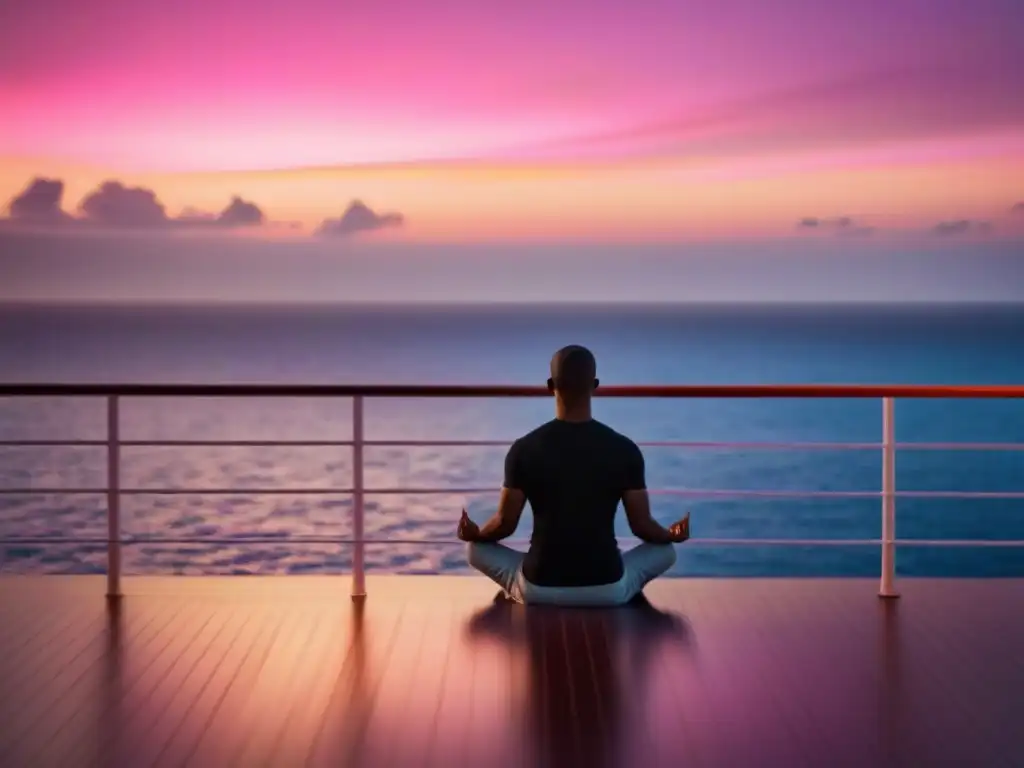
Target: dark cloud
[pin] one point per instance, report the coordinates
(40, 203)
(115, 205)
(359, 217)
(240, 213)
(1018, 209)
(842, 225)
(961, 227)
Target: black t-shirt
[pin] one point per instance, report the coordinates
(574, 474)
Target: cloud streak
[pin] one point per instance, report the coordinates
(841, 225)
(957, 227)
(919, 101)
(359, 217)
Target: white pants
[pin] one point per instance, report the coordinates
(504, 566)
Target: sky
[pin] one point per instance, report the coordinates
(537, 123)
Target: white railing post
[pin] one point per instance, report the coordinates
(887, 587)
(358, 547)
(113, 499)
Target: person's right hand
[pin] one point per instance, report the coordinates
(680, 531)
(467, 530)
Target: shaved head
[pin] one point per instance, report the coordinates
(573, 373)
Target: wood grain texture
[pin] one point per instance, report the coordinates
(432, 671)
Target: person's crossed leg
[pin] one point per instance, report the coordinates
(503, 566)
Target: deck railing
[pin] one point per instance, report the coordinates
(887, 494)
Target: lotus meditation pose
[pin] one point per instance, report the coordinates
(574, 471)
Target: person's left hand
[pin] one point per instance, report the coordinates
(468, 530)
(680, 531)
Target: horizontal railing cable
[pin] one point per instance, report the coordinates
(270, 540)
(694, 493)
(696, 444)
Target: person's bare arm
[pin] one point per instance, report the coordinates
(641, 522)
(505, 521)
(637, 503)
(510, 507)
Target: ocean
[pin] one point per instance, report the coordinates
(506, 345)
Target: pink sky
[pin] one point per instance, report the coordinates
(792, 101)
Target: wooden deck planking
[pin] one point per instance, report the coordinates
(26, 658)
(219, 671)
(194, 682)
(430, 671)
(153, 681)
(261, 707)
(54, 662)
(410, 692)
(376, 636)
(325, 662)
(217, 733)
(453, 713)
(278, 697)
(394, 688)
(489, 714)
(52, 714)
(83, 724)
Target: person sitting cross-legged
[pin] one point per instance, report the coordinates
(574, 471)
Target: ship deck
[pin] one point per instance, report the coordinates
(430, 670)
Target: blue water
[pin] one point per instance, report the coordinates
(660, 345)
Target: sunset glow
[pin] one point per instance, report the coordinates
(543, 120)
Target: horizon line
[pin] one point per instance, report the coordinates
(504, 304)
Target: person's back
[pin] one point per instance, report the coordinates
(574, 474)
(573, 471)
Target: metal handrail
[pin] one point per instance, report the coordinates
(358, 443)
(871, 391)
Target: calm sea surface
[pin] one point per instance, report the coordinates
(505, 345)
